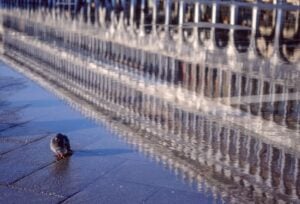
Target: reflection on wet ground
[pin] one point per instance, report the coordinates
(227, 120)
(102, 169)
(10, 115)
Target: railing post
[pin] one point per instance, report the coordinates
(154, 17)
(167, 18)
(181, 20)
(132, 7)
(142, 18)
(181, 12)
(278, 30)
(88, 11)
(196, 21)
(214, 17)
(233, 19)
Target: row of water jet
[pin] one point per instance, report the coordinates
(74, 34)
(273, 95)
(214, 90)
(237, 40)
(222, 157)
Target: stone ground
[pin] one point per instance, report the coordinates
(103, 169)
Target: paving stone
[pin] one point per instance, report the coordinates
(166, 196)
(111, 143)
(15, 196)
(70, 175)
(8, 146)
(148, 173)
(10, 143)
(113, 192)
(25, 160)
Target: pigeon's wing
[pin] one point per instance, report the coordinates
(52, 145)
(67, 143)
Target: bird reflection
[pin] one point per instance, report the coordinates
(60, 168)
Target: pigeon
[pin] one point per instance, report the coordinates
(60, 145)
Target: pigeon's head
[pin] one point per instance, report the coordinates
(59, 140)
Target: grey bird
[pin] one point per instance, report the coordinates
(60, 145)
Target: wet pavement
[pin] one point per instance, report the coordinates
(103, 169)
